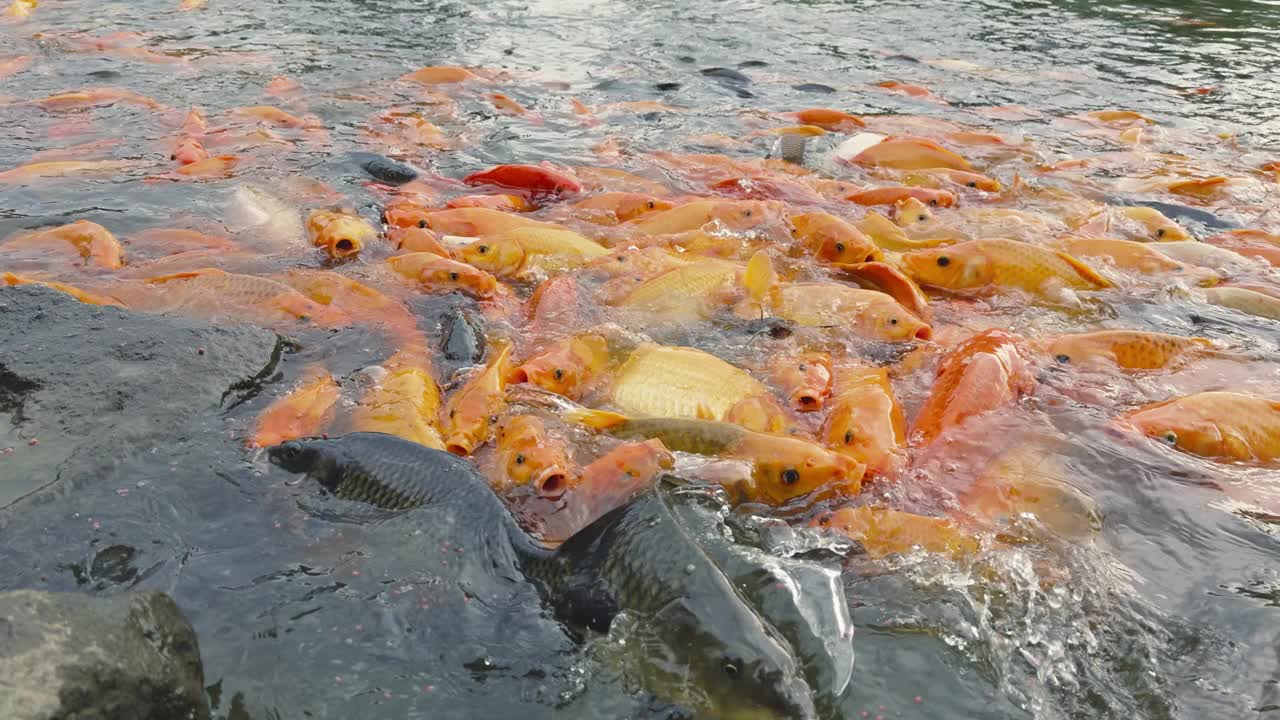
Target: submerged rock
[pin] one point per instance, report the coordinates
(132, 656)
(83, 386)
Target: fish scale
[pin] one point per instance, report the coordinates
(681, 382)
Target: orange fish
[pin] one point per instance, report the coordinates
(87, 298)
(892, 195)
(359, 300)
(805, 380)
(936, 178)
(416, 239)
(94, 243)
(606, 483)
(827, 119)
(568, 368)
(304, 412)
(611, 208)
(910, 153)
(978, 264)
(92, 97)
(834, 240)
(731, 214)
(25, 174)
(505, 203)
(1136, 256)
(892, 282)
(14, 65)
(441, 75)
(882, 531)
(983, 374)
(554, 306)
(403, 402)
(915, 91)
(1219, 425)
(339, 233)
(1125, 349)
(407, 213)
(597, 179)
(869, 313)
(507, 105)
(865, 420)
(276, 116)
(213, 167)
(469, 417)
(434, 273)
(477, 222)
(527, 455)
(189, 150)
(1251, 243)
(215, 294)
(20, 9)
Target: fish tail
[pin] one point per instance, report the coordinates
(594, 419)
(760, 280)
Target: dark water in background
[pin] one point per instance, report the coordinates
(1172, 612)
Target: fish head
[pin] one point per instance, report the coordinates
(189, 150)
(952, 268)
(718, 656)
(407, 214)
(446, 274)
(911, 212)
(1176, 425)
(1082, 350)
(806, 381)
(529, 457)
(345, 235)
(567, 367)
(503, 258)
(846, 245)
(891, 322)
(863, 427)
(311, 456)
(635, 205)
(794, 469)
(743, 214)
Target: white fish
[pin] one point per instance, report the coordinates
(263, 217)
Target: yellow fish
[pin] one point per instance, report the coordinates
(783, 467)
(339, 233)
(478, 222)
(732, 214)
(662, 381)
(1136, 256)
(1157, 226)
(1219, 425)
(910, 153)
(977, 264)
(404, 402)
(472, 412)
(1125, 349)
(866, 421)
(882, 531)
(686, 292)
(520, 252)
(1030, 478)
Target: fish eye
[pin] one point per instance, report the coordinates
(520, 458)
(746, 213)
(934, 202)
(453, 275)
(944, 261)
(922, 217)
(893, 321)
(559, 373)
(1160, 232)
(848, 437)
(493, 419)
(651, 204)
(1170, 437)
(1063, 358)
(839, 247)
(422, 224)
(483, 249)
(174, 156)
(972, 184)
(790, 476)
(730, 668)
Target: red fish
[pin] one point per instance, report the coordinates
(544, 179)
(982, 374)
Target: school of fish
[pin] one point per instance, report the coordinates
(814, 317)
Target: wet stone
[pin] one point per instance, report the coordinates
(132, 656)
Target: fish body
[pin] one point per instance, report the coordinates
(340, 234)
(1155, 224)
(869, 313)
(1250, 243)
(894, 195)
(611, 208)
(1125, 349)
(91, 241)
(663, 381)
(783, 468)
(865, 420)
(983, 374)
(469, 417)
(828, 119)
(25, 174)
(731, 214)
(529, 455)
(1218, 425)
(441, 75)
(687, 291)
(891, 281)
(1135, 256)
(977, 264)
(519, 251)
(304, 412)
(635, 558)
(1247, 301)
(1193, 252)
(502, 203)
(361, 301)
(910, 153)
(89, 298)
(267, 217)
(882, 531)
(213, 293)
(475, 222)
(545, 179)
(416, 239)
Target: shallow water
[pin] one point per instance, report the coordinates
(1171, 611)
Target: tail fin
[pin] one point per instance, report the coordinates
(760, 279)
(594, 419)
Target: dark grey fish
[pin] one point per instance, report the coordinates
(1179, 213)
(813, 88)
(384, 169)
(728, 75)
(638, 558)
(464, 338)
(667, 86)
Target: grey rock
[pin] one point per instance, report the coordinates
(67, 656)
(91, 385)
